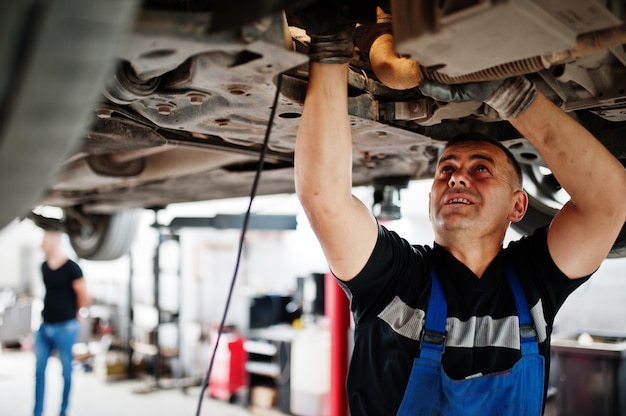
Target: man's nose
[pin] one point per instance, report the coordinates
(458, 178)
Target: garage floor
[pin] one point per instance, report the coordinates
(94, 397)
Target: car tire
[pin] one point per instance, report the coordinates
(544, 203)
(103, 237)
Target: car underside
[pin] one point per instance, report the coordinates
(112, 106)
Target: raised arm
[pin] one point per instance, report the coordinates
(583, 232)
(345, 228)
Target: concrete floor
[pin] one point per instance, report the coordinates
(94, 397)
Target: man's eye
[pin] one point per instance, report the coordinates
(482, 168)
(447, 169)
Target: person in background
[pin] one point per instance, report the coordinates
(66, 293)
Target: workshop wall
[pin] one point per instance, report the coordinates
(21, 257)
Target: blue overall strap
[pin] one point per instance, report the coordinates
(434, 334)
(528, 335)
(430, 391)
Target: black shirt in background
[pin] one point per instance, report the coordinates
(60, 303)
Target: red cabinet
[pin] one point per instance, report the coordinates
(228, 377)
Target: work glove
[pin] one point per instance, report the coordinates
(509, 97)
(330, 25)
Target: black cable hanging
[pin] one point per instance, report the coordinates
(244, 228)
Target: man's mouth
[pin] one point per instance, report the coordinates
(459, 201)
(459, 197)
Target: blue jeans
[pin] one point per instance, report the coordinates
(59, 336)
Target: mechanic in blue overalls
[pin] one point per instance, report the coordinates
(418, 310)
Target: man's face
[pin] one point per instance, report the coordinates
(51, 242)
(475, 189)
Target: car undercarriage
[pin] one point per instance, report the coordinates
(175, 98)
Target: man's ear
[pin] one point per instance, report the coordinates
(429, 201)
(520, 206)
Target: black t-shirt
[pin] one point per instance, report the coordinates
(389, 297)
(59, 303)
